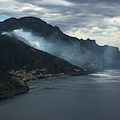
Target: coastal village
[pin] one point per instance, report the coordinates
(22, 76)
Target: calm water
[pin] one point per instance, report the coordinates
(92, 97)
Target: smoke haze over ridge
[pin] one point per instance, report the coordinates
(82, 56)
(94, 19)
(64, 51)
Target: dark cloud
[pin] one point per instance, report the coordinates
(93, 1)
(26, 1)
(68, 14)
(83, 13)
(85, 7)
(74, 1)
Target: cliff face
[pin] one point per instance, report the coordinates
(84, 53)
(108, 56)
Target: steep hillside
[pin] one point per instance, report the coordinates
(15, 55)
(84, 53)
(20, 63)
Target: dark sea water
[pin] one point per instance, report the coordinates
(91, 97)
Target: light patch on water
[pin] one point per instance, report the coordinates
(107, 76)
(105, 80)
(102, 75)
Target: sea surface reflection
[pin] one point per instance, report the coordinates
(92, 97)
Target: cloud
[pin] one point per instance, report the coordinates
(109, 35)
(113, 20)
(4, 0)
(47, 2)
(79, 18)
(93, 1)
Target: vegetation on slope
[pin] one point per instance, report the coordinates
(10, 87)
(17, 55)
(8, 84)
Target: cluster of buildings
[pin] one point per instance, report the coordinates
(23, 76)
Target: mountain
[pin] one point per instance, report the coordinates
(20, 62)
(83, 53)
(15, 55)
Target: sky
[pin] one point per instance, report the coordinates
(95, 19)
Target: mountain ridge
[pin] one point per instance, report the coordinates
(93, 56)
(20, 63)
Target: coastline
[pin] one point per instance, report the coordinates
(51, 78)
(25, 88)
(7, 94)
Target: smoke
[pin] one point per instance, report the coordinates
(71, 53)
(32, 40)
(112, 57)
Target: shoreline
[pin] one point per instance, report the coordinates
(36, 86)
(8, 94)
(26, 88)
(49, 78)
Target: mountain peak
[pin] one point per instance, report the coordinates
(36, 25)
(10, 19)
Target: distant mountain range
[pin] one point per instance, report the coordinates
(83, 53)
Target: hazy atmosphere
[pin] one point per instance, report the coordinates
(99, 20)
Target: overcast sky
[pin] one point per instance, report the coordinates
(94, 19)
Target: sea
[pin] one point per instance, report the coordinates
(90, 97)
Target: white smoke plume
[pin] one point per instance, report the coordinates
(73, 53)
(64, 51)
